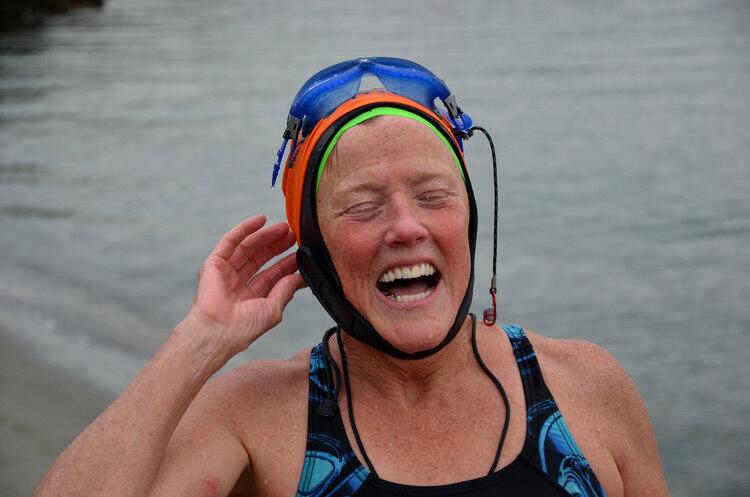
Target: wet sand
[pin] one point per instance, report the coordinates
(41, 407)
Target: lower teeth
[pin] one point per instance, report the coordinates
(410, 298)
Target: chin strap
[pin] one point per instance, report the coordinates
(489, 316)
(330, 295)
(317, 269)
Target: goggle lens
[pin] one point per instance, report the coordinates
(325, 91)
(329, 88)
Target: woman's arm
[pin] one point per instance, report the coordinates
(639, 463)
(121, 452)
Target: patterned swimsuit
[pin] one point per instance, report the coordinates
(550, 463)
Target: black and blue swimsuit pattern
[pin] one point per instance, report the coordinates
(550, 463)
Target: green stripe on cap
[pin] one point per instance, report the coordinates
(381, 111)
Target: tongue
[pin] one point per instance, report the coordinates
(408, 287)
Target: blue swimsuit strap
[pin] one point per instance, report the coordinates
(330, 467)
(549, 444)
(535, 388)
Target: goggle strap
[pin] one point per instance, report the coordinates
(464, 122)
(290, 133)
(293, 153)
(277, 164)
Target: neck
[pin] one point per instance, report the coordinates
(406, 380)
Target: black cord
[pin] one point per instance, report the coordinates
(490, 316)
(350, 408)
(484, 367)
(500, 388)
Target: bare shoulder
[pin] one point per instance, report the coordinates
(588, 374)
(254, 390)
(579, 360)
(601, 403)
(265, 374)
(252, 416)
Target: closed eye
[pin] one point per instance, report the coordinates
(435, 197)
(363, 211)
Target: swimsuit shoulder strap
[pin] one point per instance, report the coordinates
(330, 467)
(549, 444)
(535, 389)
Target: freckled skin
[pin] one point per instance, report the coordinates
(392, 192)
(172, 432)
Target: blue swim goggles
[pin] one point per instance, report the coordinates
(328, 89)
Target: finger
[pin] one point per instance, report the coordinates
(282, 294)
(262, 283)
(260, 247)
(214, 275)
(229, 242)
(248, 276)
(285, 289)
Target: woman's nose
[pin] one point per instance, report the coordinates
(405, 228)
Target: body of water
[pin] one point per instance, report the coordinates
(132, 137)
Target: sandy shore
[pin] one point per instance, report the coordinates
(43, 409)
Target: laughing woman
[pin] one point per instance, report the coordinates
(409, 394)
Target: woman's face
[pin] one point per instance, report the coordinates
(394, 214)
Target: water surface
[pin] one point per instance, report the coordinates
(132, 137)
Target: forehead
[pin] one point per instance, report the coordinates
(401, 145)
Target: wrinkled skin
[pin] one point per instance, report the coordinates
(171, 432)
(391, 196)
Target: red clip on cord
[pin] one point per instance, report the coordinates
(490, 314)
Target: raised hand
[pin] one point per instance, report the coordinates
(233, 298)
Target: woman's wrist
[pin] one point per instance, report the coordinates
(205, 342)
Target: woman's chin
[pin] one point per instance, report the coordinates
(413, 327)
(413, 339)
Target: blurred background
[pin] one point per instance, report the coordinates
(133, 136)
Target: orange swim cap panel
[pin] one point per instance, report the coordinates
(297, 163)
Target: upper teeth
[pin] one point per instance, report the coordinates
(406, 272)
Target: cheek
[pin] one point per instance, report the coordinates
(452, 236)
(456, 225)
(352, 251)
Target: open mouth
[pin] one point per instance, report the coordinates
(409, 283)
